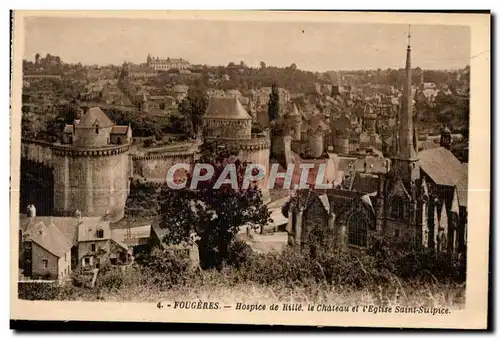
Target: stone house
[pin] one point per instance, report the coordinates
(47, 252)
(96, 245)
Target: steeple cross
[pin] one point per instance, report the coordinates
(409, 35)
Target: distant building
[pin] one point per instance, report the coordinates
(167, 64)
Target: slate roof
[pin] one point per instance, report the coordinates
(119, 130)
(95, 114)
(446, 170)
(228, 108)
(49, 237)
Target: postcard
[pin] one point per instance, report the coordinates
(251, 167)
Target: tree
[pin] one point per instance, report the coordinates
(215, 215)
(262, 65)
(193, 107)
(274, 103)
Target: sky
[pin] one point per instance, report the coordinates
(316, 46)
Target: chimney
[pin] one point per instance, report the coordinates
(31, 211)
(78, 216)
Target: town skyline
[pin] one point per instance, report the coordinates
(277, 44)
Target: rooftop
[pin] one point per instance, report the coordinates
(95, 116)
(446, 170)
(49, 237)
(228, 108)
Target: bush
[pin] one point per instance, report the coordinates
(109, 278)
(37, 291)
(239, 252)
(167, 267)
(82, 277)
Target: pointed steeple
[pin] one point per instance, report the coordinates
(406, 130)
(406, 158)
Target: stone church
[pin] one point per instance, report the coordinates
(418, 196)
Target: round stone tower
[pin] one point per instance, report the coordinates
(91, 174)
(228, 122)
(294, 119)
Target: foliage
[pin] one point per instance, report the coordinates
(193, 107)
(239, 252)
(109, 278)
(142, 201)
(273, 107)
(215, 215)
(82, 277)
(166, 267)
(37, 291)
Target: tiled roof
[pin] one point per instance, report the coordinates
(95, 114)
(67, 225)
(50, 238)
(119, 130)
(228, 108)
(442, 166)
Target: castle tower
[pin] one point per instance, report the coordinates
(406, 159)
(92, 173)
(295, 120)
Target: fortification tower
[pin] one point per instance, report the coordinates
(91, 167)
(229, 123)
(294, 120)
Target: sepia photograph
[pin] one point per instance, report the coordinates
(248, 167)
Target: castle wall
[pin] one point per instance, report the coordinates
(94, 184)
(89, 180)
(227, 129)
(157, 166)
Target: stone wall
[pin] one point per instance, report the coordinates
(95, 185)
(156, 166)
(227, 129)
(37, 269)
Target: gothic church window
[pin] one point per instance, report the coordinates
(357, 228)
(397, 209)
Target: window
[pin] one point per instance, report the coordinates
(86, 261)
(357, 228)
(45, 263)
(92, 247)
(97, 129)
(100, 233)
(397, 209)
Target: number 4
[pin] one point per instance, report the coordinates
(159, 305)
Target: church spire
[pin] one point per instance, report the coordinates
(406, 144)
(406, 159)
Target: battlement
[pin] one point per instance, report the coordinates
(168, 155)
(253, 144)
